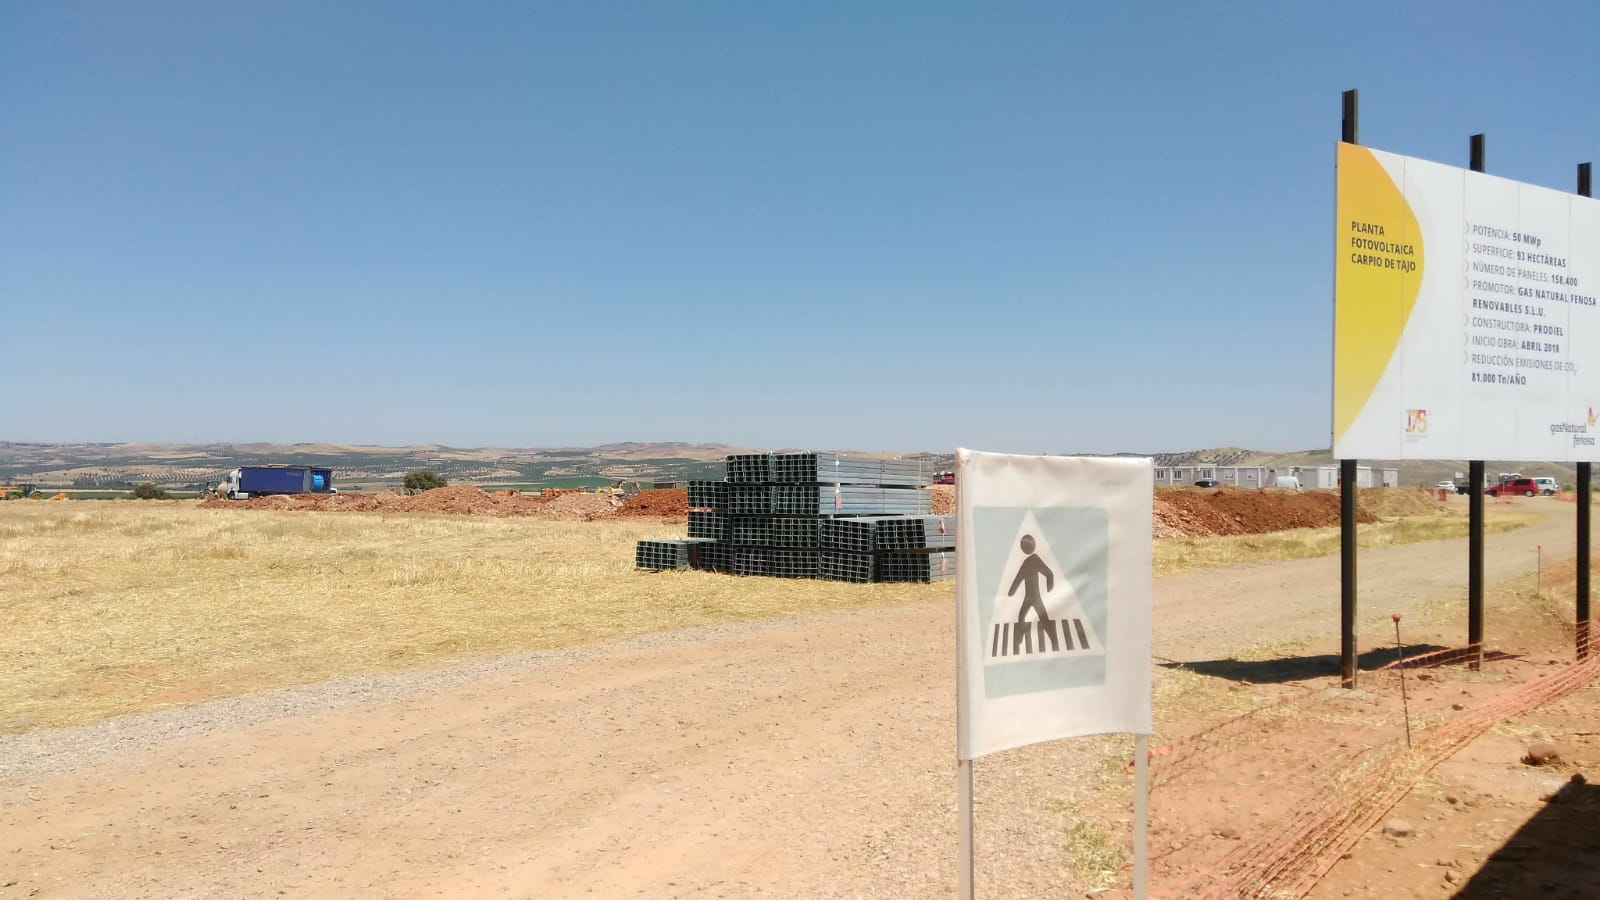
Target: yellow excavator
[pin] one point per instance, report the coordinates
(620, 490)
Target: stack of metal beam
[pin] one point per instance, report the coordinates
(917, 533)
(710, 525)
(892, 548)
(847, 500)
(661, 555)
(922, 568)
(818, 515)
(837, 468)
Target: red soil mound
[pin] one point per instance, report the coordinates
(657, 503)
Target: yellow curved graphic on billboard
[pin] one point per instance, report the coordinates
(1377, 277)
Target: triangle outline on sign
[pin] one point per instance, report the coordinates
(1061, 601)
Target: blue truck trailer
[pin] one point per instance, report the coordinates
(259, 481)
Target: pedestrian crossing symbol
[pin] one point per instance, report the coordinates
(1043, 598)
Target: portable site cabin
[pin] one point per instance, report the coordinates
(1327, 477)
(1255, 477)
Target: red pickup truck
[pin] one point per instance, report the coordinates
(1527, 487)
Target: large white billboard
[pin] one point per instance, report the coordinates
(1466, 324)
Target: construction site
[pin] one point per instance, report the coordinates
(407, 600)
(814, 451)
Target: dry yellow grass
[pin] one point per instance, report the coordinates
(1188, 554)
(117, 607)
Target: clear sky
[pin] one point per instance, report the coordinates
(1041, 227)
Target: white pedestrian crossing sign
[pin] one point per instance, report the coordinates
(1052, 598)
(1052, 613)
(1042, 598)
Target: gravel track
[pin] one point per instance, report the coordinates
(803, 757)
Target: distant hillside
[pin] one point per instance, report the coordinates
(119, 466)
(1238, 456)
(188, 465)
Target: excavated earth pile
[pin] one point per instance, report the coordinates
(1189, 512)
(665, 503)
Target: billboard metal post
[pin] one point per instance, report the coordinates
(1347, 572)
(1585, 499)
(1475, 474)
(1347, 489)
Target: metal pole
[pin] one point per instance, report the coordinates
(1347, 572)
(1141, 816)
(1475, 474)
(964, 826)
(1584, 508)
(1347, 486)
(1475, 508)
(1585, 499)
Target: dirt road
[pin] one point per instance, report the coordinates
(804, 757)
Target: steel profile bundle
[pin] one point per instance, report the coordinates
(707, 494)
(790, 563)
(813, 515)
(713, 556)
(748, 500)
(838, 468)
(840, 565)
(663, 555)
(921, 568)
(857, 534)
(752, 561)
(750, 468)
(916, 533)
(906, 473)
(711, 525)
(797, 532)
(751, 531)
(848, 500)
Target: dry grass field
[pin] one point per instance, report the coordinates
(117, 607)
(1188, 554)
(120, 607)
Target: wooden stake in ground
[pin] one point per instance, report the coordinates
(1405, 700)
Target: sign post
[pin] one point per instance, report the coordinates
(1475, 501)
(1585, 475)
(1052, 613)
(1348, 514)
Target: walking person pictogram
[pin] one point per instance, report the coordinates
(1028, 575)
(1034, 594)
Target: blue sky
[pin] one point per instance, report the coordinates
(1037, 227)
